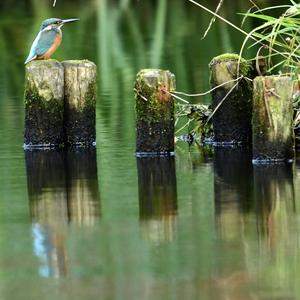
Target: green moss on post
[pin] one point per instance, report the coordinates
(232, 119)
(273, 138)
(44, 104)
(154, 112)
(80, 102)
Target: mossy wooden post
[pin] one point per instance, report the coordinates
(273, 138)
(44, 104)
(154, 112)
(232, 119)
(80, 102)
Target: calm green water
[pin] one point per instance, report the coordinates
(104, 225)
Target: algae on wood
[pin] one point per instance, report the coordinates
(154, 112)
(80, 102)
(232, 119)
(273, 138)
(44, 104)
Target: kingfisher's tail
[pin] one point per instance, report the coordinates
(30, 58)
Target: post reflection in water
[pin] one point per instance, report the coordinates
(82, 187)
(277, 247)
(157, 197)
(233, 189)
(62, 188)
(275, 201)
(254, 209)
(233, 186)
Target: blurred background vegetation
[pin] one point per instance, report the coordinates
(121, 37)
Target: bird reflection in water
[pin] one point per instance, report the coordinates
(62, 190)
(157, 197)
(48, 246)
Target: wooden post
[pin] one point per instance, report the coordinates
(44, 104)
(80, 102)
(273, 138)
(232, 119)
(154, 112)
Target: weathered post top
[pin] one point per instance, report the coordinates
(154, 112)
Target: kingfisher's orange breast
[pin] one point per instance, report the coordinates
(52, 49)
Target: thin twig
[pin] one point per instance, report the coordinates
(254, 4)
(212, 20)
(221, 18)
(140, 95)
(54, 2)
(248, 35)
(186, 124)
(177, 97)
(221, 102)
(208, 92)
(257, 66)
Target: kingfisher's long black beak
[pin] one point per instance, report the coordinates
(69, 20)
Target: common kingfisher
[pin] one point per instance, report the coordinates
(48, 39)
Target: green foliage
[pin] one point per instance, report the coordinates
(197, 118)
(278, 37)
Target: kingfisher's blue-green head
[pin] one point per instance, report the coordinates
(55, 23)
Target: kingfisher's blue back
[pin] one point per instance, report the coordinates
(42, 43)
